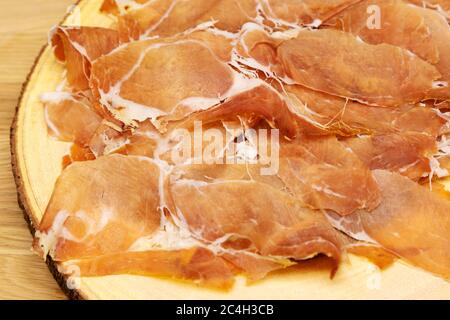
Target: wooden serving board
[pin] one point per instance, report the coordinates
(37, 164)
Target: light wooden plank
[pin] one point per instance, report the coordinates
(23, 31)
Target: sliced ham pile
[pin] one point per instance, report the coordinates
(361, 113)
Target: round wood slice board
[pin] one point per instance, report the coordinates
(37, 164)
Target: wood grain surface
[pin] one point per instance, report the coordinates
(23, 31)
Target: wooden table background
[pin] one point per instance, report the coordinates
(23, 31)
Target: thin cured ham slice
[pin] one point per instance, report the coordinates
(256, 267)
(139, 145)
(145, 80)
(392, 76)
(204, 177)
(77, 153)
(260, 103)
(264, 213)
(199, 265)
(381, 75)
(323, 174)
(196, 264)
(305, 12)
(319, 172)
(78, 47)
(174, 147)
(441, 6)
(373, 252)
(256, 49)
(107, 139)
(111, 7)
(422, 31)
(405, 153)
(70, 118)
(380, 257)
(98, 225)
(347, 118)
(98, 207)
(169, 81)
(169, 17)
(411, 221)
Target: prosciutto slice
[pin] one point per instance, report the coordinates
(422, 31)
(441, 6)
(264, 213)
(169, 17)
(196, 264)
(70, 118)
(147, 79)
(133, 84)
(386, 76)
(260, 103)
(106, 211)
(98, 226)
(348, 118)
(405, 153)
(166, 18)
(423, 240)
(319, 172)
(78, 47)
(307, 12)
(324, 175)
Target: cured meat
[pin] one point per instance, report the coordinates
(422, 31)
(441, 6)
(77, 153)
(325, 175)
(256, 49)
(411, 221)
(180, 145)
(264, 213)
(167, 18)
(376, 254)
(106, 211)
(107, 139)
(256, 267)
(79, 47)
(386, 75)
(382, 258)
(306, 12)
(181, 86)
(196, 264)
(347, 118)
(69, 119)
(260, 103)
(406, 153)
(381, 75)
(438, 187)
(96, 226)
(134, 84)
(110, 6)
(319, 172)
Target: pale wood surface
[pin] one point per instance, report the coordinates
(39, 164)
(23, 31)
